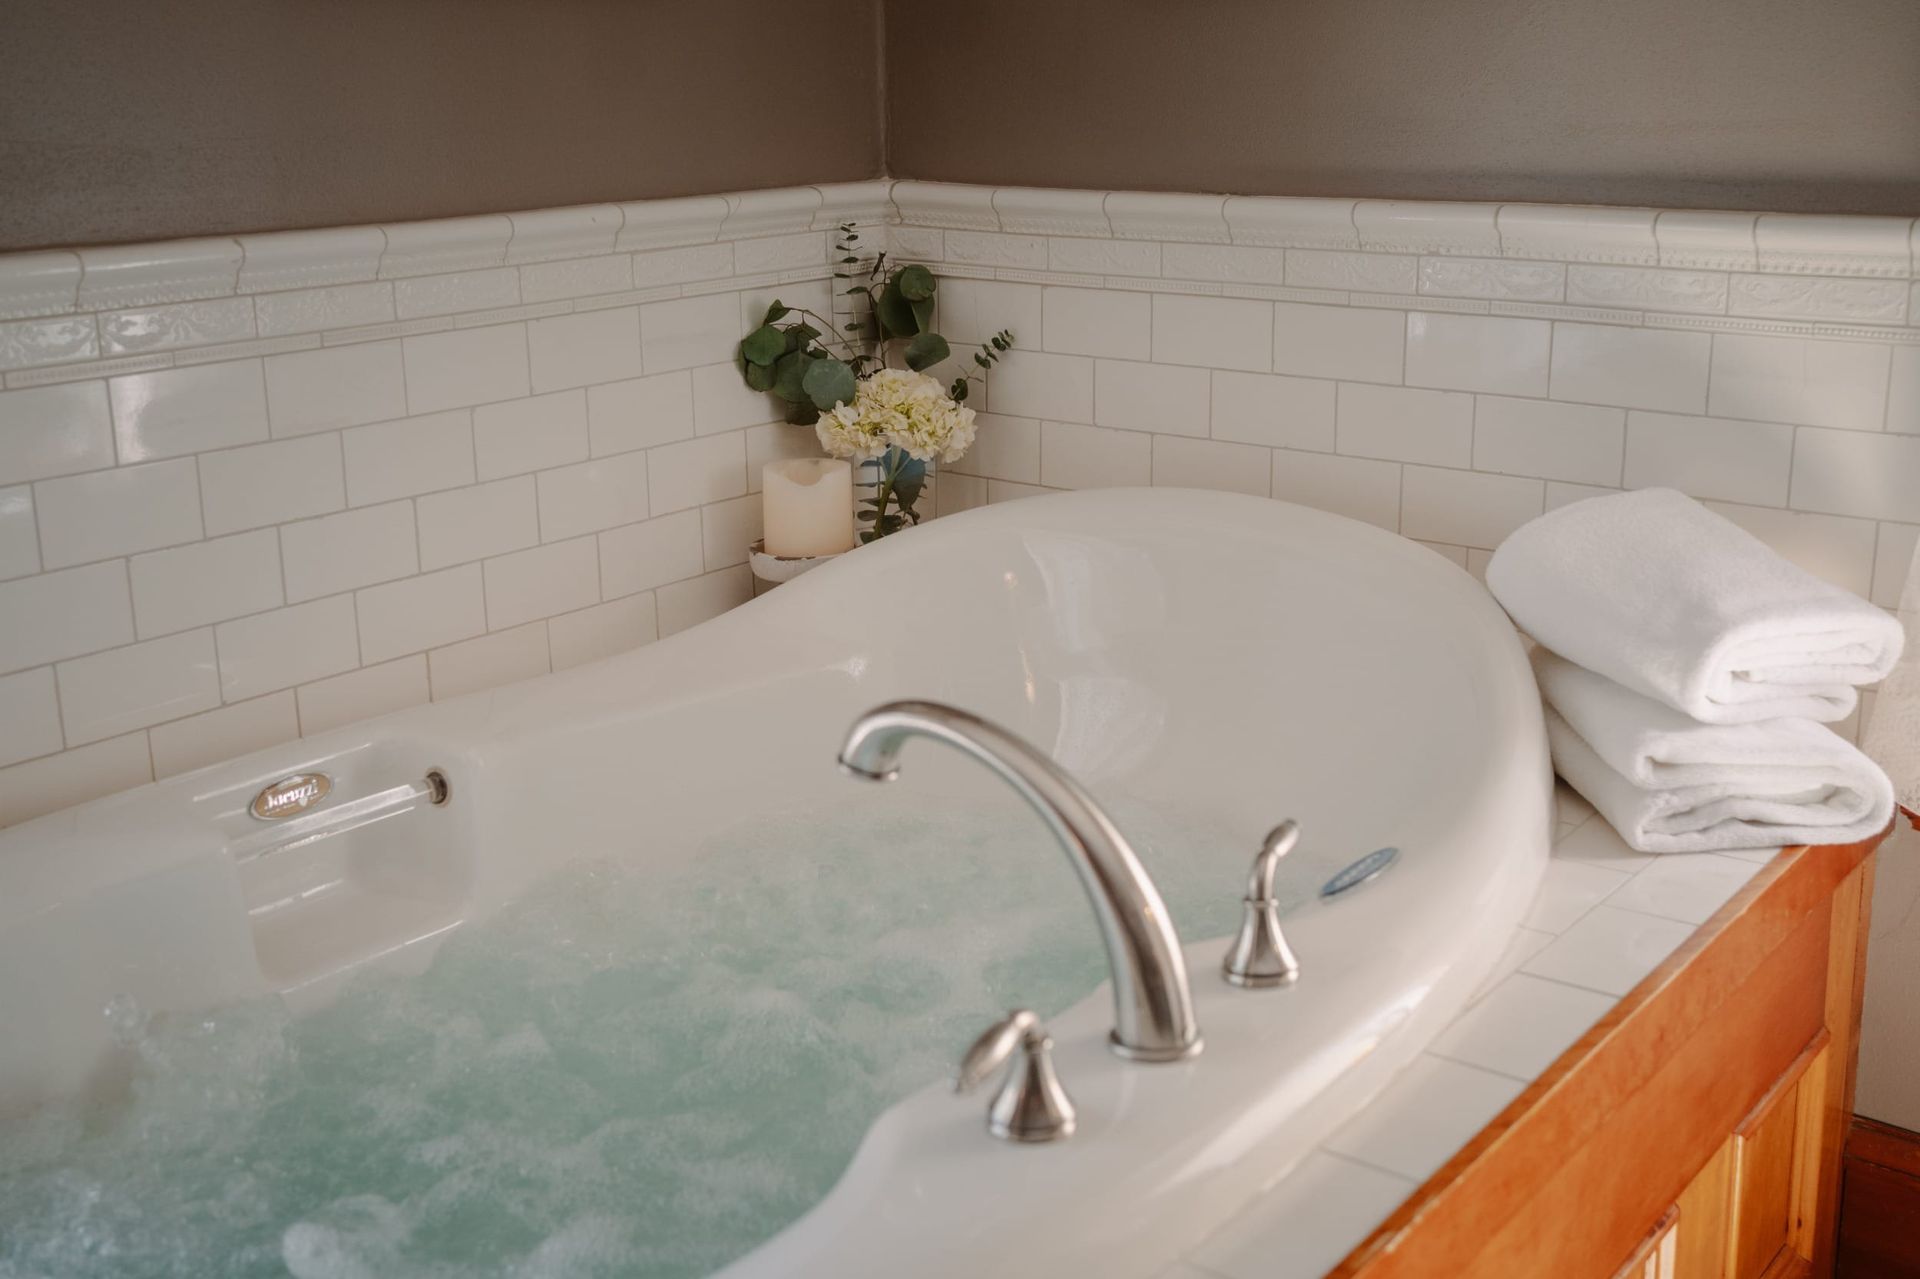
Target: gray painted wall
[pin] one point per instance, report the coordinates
(129, 121)
(123, 120)
(1759, 104)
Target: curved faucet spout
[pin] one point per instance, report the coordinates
(1152, 1003)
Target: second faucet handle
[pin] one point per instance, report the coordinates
(1259, 955)
(1031, 1105)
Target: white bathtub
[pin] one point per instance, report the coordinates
(1226, 661)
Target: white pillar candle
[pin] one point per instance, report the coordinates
(807, 503)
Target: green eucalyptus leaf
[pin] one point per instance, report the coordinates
(922, 315)
(760, 377)
(777, 311)
(789, 375)
(802, 414)
(764, 345)
(926, 351)
(908, 481)
(806, 332)
(828, 383)
(916, 283)
(959, 390)
(894, 312)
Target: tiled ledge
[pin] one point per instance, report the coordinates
(1767, 243)
(116, 277)
(1853, 253)
(1439, 299)
(49, 351)
(1605, 917)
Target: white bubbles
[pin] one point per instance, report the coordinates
(126, 1021)
(359, 1239)
(629, 1073)
(524, 1044)
(592, 1243)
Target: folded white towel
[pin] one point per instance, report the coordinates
(1672, 785)
(1658, 593)
(1891, 735)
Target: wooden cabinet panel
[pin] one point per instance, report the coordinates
(1654, 1258)
(1763, 1207)
(1706, 1206)
(1846, 983)
(1717, 1090)
(1880, 1226)
(1609, 1174)
(1756, 1209)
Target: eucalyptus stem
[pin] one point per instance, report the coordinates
(883, 493)
(845, 341)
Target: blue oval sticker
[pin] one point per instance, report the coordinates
(1360, 872)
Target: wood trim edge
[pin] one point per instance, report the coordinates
(1896, 1149)
(1762, 914)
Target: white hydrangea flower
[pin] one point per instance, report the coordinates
(844, 432)
(897, 408)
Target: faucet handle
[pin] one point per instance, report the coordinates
(991, 1050)
(1031, 1105)
(1266, 863)
(1259, 955)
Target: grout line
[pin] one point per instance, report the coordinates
(1413, 1183)
(1886, 399)
(1478, 1065)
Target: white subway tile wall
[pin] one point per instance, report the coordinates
(339, 473)
(432, 467)
(1449, 377)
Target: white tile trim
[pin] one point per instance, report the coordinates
(945, 204)
(309, 259)
(665, 224)
(114, 277)
(39, 283)
(771, 212)
(60, 282)
(548, 235)
(1370, 256)
(1043, 211)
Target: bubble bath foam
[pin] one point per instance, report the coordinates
(627, 1072)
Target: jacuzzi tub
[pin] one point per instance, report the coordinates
(1204, 664)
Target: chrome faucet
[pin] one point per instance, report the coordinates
(1259, 955)
(1152, 1003)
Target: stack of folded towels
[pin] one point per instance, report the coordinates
(1686, 670)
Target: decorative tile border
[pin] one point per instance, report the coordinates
(310, 259)
(548, 235)
(448, 244)
(1625, 237)
(1427, 227)
(34, 284)
(1042, 211)
(1790, 274)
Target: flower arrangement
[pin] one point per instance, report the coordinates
(891, 421)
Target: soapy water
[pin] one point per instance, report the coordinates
(629, 1072)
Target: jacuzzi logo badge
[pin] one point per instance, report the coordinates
(291, 795)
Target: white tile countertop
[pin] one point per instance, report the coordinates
(1606, 916)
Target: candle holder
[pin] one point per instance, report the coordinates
(775, 569)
